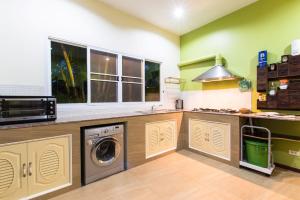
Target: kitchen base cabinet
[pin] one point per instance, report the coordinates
(31, 168)
(13, 174)
(49, 164)
(160, 137)
(210, 137)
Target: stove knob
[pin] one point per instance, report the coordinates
(90, 142)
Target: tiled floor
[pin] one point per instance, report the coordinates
(188, 176)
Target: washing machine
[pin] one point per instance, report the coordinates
(102, 152)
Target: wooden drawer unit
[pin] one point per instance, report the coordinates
(271, 102)
(294, 84)
(294, 70)
(283, 99)
(262, 79)
(272, 71)
(282, 69)
(289, 99)
(210, 137)
(288, 69)
(294, 99)
(286, 58)
(261, 105)
(295, 60)
(32, 168)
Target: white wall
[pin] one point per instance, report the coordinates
(27, 24)
(217, 99)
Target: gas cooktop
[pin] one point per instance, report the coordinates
(229, 111)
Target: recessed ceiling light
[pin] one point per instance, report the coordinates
(178, 12)
(107, 59)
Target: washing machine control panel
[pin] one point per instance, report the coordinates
(104, 131)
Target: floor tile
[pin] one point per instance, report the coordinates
(186, 175)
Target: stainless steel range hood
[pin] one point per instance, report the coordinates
(217, 73)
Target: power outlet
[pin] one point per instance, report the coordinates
(294, 153)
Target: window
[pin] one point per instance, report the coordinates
(69, 73)
(104, 77)
(132, 80)
(152, 81)
(79, 76)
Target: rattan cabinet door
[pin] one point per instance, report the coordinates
(13, 171)
(210, 137)
(48, 164)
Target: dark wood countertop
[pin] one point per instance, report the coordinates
(97, 116)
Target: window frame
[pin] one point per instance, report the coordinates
(89, 102)
(49, 71)
(160, 81)
(142, 77)
(119, 55)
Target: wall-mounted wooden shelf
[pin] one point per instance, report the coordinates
(288, 99)
(218, 59)
(174, 80)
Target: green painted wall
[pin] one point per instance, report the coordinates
(265, 25)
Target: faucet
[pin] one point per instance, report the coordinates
(153, 108)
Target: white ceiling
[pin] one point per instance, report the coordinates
(161, 12)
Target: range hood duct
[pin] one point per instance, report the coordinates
(217, 73)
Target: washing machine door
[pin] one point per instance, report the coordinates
(105, 151)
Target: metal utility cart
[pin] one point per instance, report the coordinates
(260, 133)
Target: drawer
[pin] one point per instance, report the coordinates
(262, 86)
(286, 58)
(288, 99)
(294, 98)
(261, 105)
(262, 79)
(283, 99)
(272, 70)
(294, 70)
(272, 102)
(283, 70)
(272, 74)
(295, 60)
(294, 84)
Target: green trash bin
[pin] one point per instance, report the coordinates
(257, 152)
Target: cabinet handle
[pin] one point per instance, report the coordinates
(30, 169)
(24, 170)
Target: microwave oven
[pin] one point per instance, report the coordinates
(27, 109)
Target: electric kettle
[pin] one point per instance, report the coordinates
(179, 104)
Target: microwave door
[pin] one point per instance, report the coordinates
(23, 113)
(11, 104)
(25, 109)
